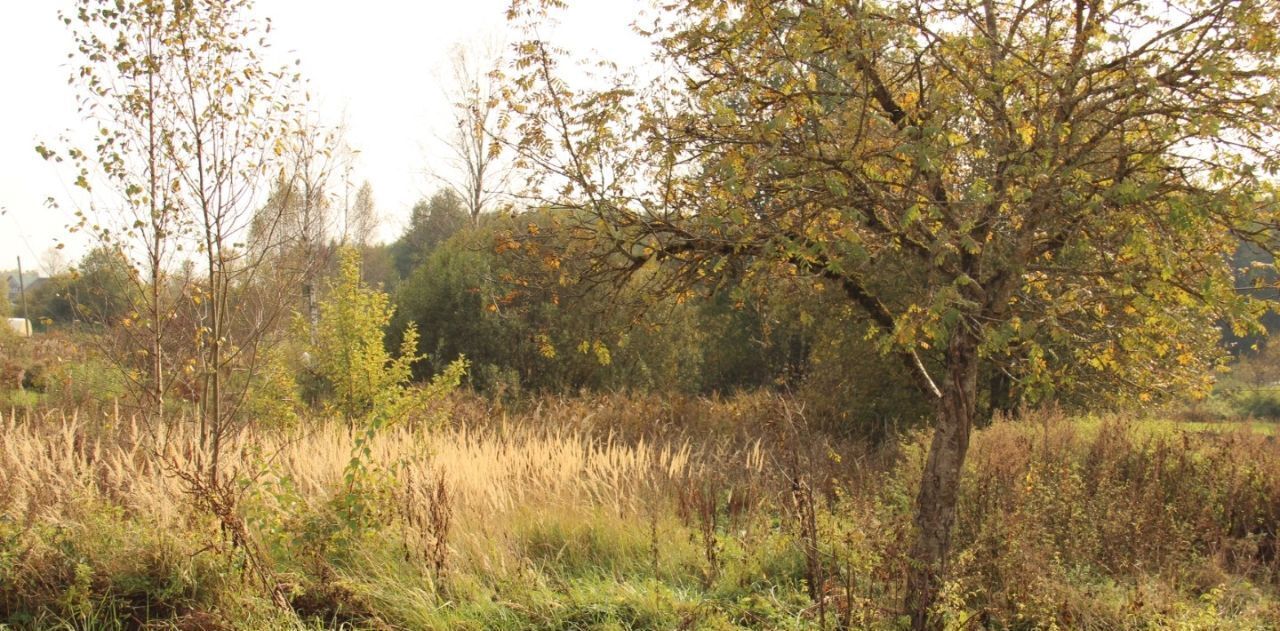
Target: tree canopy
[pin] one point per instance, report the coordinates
(1050, 187)
(430, 223)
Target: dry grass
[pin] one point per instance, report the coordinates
(48, 468)
(574, 513)
(501, 483)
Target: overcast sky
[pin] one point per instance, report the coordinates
(379, 61)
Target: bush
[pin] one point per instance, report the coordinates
(348, 352)
(89, 384)
(1264, 404)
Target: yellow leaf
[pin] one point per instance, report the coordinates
(1027, 132)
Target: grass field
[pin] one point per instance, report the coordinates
(549, 520)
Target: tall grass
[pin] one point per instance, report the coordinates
(615, 512)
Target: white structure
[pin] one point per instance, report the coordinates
(21, 326)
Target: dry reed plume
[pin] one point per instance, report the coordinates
(55, 469)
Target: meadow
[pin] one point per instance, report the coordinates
(815, 315)
(630, 512)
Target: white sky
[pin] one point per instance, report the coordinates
(380, 61)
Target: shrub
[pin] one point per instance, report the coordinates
(89, 384)
(349, 354)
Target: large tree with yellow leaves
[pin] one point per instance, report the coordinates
(1051, 188)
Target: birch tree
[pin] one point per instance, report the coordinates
(123, 68)
(189, 123)
(481, 170)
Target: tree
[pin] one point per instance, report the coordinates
(349, 353)
(362, 218)
(101, 290)
(369, 387)
(481, 170)
(378, 269)
(231, 116)
(505, 296)
(53, 262)
(124, 66)
(295, 229)
(1255, 275)
(430, 223)
(1049, 188)
(188, 120)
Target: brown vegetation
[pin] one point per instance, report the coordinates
(578, 512)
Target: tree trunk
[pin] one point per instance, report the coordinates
(309, 303)
(940, 484)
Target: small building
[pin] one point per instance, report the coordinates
(21, 326)
(14, 286)
(10, 287)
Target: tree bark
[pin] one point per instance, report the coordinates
(309, 303)
(940, 483)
